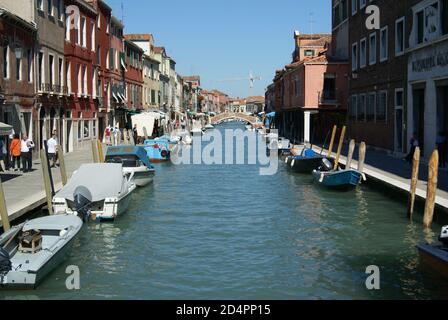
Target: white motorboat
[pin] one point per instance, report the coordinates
(135, 162)
(96, 191)
(30, 251)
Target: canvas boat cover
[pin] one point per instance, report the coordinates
(104, 180)
(5, 129)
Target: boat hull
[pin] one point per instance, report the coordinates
(344, 179)
(143, 176)
(304, 165)
(435, 258)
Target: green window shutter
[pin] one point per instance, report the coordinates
(111, 58)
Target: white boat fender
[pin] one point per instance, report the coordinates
(286, 160)
(293, 162)
(364, 178)
(321, 178)
(63, 233)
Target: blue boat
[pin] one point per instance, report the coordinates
(436, 256)
(135, 162)
(158, 150)
(343, 179)
(306, 162)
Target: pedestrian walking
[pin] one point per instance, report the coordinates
(52, 144)
(441, 142)
(14, 150)
(414, 144)
(3, 155)
(135, 133)
(26, 147)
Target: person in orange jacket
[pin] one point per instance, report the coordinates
(15, 150)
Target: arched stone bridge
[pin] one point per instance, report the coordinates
(233, 116)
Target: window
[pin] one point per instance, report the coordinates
(79, 80)
(354, 56)
(41, 76)
(60, 75)
(428, 23)
(336, 15)
(381, 107)
(51, 71)
(40, 5)
(352, 107)
(399, 36)
(50, 7)
(18, 69)
(344, 8)
(361, 110)
(444, 16)
(99, 22)
(84, 32)
(354, 6)
(384, 44)
(399, 98)
(362, 4)
(78, 34)
(94, 82)
(6, 71)
(60, 9)
(309, 53)
(111, 59)
(362, 53)
(67, 27)
(68, 77)
(372, 49)
(370, 109)
(30, 65)
(84, 77)
(92, 36)
(108, 26)
(107, 60)
(86, 125)
(329, 93)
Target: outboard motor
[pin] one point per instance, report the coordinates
(444, 236)
(326, 165)
(83, 202)
(5, 262)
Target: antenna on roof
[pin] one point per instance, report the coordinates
(312, 22)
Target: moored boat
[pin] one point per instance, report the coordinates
(306, 162)
(98, 192)
(436, 256)
(135, 162)
(337, 179)
(30, 251)
(158, 150)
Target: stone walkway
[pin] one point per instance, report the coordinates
(26, 193)
(397, 173)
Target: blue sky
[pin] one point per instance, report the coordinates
(222, 39)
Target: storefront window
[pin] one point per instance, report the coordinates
(86, 129)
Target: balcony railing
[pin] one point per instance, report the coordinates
(329, 97)
(52, 89)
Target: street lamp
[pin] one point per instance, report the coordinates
(18, 52)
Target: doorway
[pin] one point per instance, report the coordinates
(399, 121)
(418, 127)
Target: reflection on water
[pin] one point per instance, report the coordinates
(225, 232)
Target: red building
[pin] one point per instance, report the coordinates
(17, 38)
(134, 75)
(81, 72)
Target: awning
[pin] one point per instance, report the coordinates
(115, 96)
(5, 129)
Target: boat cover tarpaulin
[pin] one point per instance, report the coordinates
(103, 180)
(5, 129)
(145, 120)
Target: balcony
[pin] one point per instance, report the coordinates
(52, 89)
(329, 97)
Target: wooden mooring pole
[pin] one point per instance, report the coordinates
(433, 171)
(351, 151)
(62, 165)
(94, 151)
(414, 181)
(362, 157)
(101, 158)
(47, 181)
(3, 210)
(341, 144)
(333, 137)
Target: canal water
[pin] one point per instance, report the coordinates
(225, 232)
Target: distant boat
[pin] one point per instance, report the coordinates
(337, 179)
(306, 162)
(30, 251)
(98, 192)
(135, 162)
(436, 256)
(158, 150)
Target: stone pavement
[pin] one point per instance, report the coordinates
(396, 172)
(26, 193)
